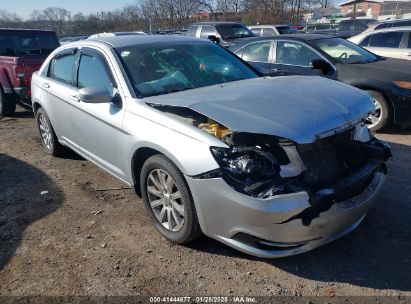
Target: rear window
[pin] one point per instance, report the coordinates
(14, 45)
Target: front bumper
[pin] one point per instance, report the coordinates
(271, 227)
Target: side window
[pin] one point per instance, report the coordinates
(360, 25)
(402, 23)
(92, 72)
(207, 30)
(294, 53)
(365, 41)
(381, 26)
(257, 31)
(61, 68)
(257, 52)
(345, 26)
(389, 40)
(409, 40)
(192, 31)
(268, 32)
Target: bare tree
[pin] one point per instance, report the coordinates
(8, 19)
(57, 17)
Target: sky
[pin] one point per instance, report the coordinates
(23, 8)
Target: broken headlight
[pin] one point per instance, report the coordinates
(247, 169)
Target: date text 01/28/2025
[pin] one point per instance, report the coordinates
(233, 299)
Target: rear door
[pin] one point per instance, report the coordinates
(57, 91)
(406, 51)
(98, 126)
(259, 55)
(388, 44)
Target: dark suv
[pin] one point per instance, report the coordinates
(22, 52)
(352, 27)
(227, 33)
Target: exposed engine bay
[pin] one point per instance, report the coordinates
(262, 166)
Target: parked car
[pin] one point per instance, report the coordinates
(388, 24)
(298, 28)
(322, 28)
(394, 42)
(21, 53)
(272, 30)
(387, 80)
(111, 34)
(224, 33)
(68, 39)
(270, 166)
(352, 27)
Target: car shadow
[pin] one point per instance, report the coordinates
(375, 255)
(21, 202)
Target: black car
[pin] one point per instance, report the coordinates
(225, 33)
(387, 80)
(351, 27)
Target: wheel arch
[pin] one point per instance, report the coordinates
(143, 153)
(390, 103)
(36, 106)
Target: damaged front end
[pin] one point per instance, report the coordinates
(337, 166)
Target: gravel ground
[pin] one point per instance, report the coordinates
(74, 240)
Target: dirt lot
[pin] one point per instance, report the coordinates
(75, 240)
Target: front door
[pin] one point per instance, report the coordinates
(294, 58)
(98, 126)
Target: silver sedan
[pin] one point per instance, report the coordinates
(269, 166)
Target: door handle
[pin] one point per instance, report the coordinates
(46, 85)
(75, 98)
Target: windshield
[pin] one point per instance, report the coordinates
(22, 45)
(344, 51)
(156, 69)
(234, 30)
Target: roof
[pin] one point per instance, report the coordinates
(307, 37)
(268, 25)
(123, 41)
(374, 1)
(25, 30)
(216, 22)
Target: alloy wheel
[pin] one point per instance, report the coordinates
(165, 200)
(45, 132)
(376, 118)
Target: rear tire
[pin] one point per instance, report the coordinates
(48, 137)
(382, 114)
(168, 201)
(7, 104)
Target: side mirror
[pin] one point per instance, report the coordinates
(214, 39)
(321, 64)
(95, 95)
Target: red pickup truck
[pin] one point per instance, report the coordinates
(22, 52)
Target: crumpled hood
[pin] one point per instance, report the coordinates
(293, 107)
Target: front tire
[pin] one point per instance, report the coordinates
(48, 137)
(382, 112)
(168, 201)
(7, 104)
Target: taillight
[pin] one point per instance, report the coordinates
(20, 71)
